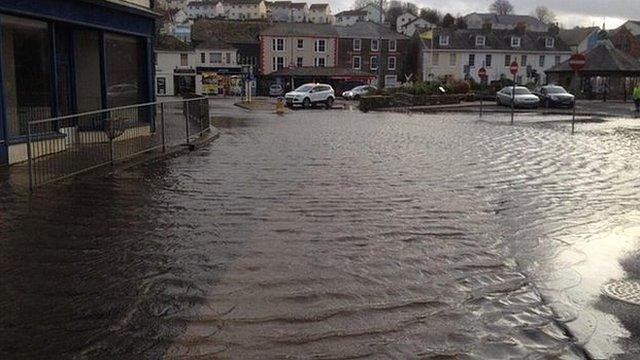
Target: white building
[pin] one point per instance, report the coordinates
(287, 11)
(409, 28)
(370, 13)
(504, 22)
(245, 9)
(459, 54)
(204, 9)
(403, 20)
(633, 26)
(175, 64)
(171, 4)
(320, 14)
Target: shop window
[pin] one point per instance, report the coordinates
(184, 60)
(125, 75)
(26, 66)
(87, 67)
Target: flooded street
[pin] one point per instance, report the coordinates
(336, 234)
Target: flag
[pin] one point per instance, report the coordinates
(427, 35)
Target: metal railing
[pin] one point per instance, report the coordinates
(65, 146)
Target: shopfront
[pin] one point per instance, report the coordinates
(62, 57)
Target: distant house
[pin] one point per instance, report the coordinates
(245, 9)
(633, 26)
(287, 11)
(204, 9)
(624, 40)
(403, 20)
(504, 22)
(370, 12)
(580, 39)
(412, 26)
(321, 14)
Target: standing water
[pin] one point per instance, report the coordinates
(333, 235)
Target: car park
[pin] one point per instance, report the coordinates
(554, 96)
(521, 98)
(357, 92)
(309, 95)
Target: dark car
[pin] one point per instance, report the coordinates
(554, 96)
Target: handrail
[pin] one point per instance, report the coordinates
(58, 118)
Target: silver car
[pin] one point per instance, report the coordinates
(522, 98)
(356, 92)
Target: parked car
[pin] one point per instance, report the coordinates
(523, 97)
(356, 92)
(311, 94)
(555, 96)
(276, 90)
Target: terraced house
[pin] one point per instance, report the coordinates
(61, 57)
(359, 48)
(245, 9)
(459, 54)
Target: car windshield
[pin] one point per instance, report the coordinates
(522, 91)
(304, 88)
(556, 90)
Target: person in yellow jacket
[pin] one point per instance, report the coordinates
(636, 97)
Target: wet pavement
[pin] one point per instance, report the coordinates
(336, 234)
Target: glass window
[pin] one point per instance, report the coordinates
(184, 60)
(557, 59)
(436, 59)
(444, 40)
(26, 66)
(125, 74)
(507, 60)
(374, 63)
(472, 60)
(300, 44)
(87, 63)
(299, 62)
(357, 62)
(480, 40)
(319, 62)
(320, 45)
(515, 41)
(392, 45)
(203, 58)
(541, 61)
(215, 57)
(487, 60)
(357, 44)
(523, 60)
(550, 42)
(374, 45)
(452, 59)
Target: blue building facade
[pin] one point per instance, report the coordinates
(62, 57)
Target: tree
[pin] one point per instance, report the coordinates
(448, 21)
(545, 15)
(397, 8)
(431, 15)
(501, 7)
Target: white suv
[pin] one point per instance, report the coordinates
(311, 94)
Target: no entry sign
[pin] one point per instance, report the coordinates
(514, 68)
(482, 72)
(577, 62)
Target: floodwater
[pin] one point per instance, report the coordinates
(335, 234)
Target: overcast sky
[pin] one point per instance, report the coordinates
(569, 12)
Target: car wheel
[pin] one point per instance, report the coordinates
(547, 104)
(356, 98)
(498, 102)
(306, 103)
(329, 103)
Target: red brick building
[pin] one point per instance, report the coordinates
(626, 42)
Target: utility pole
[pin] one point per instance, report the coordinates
(380, 79)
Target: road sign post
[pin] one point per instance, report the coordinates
(513, 68)
(482, 73)
(576, 62)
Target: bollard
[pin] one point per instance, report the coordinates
(279, 106)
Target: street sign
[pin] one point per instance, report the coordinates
(482, 72)
(513, 68)
(577, 62)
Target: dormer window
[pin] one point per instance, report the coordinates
(444, 40)
(549, 42)
(480, 40)
(515, 41)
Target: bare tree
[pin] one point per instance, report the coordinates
(431, 15)
(501, 7)
(545, 15)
